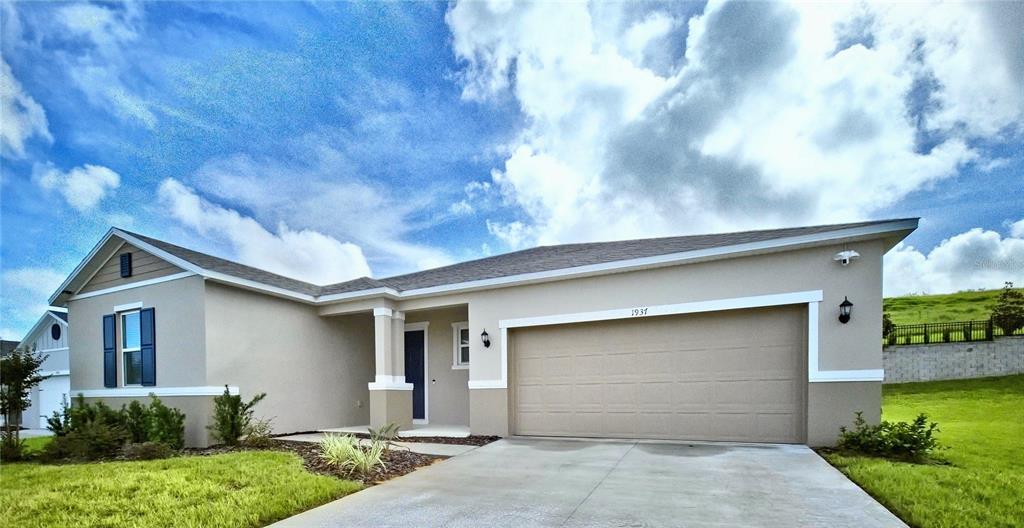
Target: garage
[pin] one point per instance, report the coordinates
(737, 375)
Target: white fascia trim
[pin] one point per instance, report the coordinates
(139, 392)
(132, 285)
(51, 373)
(664, 260)
(736, 303)
(129, 306)
(487, 384)
(390, 293)
(81, 265)
(30, 336)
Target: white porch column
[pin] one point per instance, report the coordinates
(398, 344)
(390, 395)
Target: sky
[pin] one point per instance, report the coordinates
(327, 141)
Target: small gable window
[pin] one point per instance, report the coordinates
(126, 264)
(55, 331)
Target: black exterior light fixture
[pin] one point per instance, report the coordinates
(845, 309)
(486, 339)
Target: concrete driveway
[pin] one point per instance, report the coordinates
(530, 482)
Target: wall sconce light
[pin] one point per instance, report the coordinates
(845, 309)
(486, 339)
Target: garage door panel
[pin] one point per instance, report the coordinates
(736, 375)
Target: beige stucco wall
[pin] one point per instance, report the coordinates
(447, 388)
(314, 369)
(853, 346)
(180, 333)
(144, 267)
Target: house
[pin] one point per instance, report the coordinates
(49, 337)
(734, 336)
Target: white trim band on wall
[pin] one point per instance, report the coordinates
(385, 382)
(130, 285)
(382, 311)
(139, 392)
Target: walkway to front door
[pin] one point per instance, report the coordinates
(530, 482)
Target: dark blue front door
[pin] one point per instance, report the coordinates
(414, 371)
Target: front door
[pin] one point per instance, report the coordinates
(414, 372)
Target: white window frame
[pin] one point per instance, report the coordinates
(124, 370)
(457, 329)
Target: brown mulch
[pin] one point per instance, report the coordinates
(397, 462)
(472, 440)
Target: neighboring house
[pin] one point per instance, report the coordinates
(49, 337)
(713, 337)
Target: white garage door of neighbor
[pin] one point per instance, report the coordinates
(735, 375)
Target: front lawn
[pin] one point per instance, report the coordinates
(250, 488)
(982, 423)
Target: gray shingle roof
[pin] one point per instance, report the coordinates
(533, 260)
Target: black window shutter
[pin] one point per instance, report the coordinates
(109, 353)
(147, 342)
(126, 265)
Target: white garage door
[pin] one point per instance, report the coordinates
(733, 376)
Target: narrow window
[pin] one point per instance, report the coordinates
(460, 345)
(126, 265)
(131, 348)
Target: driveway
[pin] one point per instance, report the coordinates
(531, 482)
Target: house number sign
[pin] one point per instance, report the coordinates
(638, 312)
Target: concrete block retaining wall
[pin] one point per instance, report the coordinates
(942, 361)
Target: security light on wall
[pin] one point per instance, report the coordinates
(845, 310)
(846, 257)
(486, 339)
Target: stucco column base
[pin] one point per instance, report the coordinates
(391, 406)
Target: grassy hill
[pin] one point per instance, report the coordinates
(963, 306)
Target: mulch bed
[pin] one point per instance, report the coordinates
(397, 462)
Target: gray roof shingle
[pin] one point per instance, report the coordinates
(533, 260)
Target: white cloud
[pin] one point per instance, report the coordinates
(332, 200)
(23, 117)
(83, 187)
(25, 292)
(975, 259)
(774, 115)
(304, 254)
(515, 235)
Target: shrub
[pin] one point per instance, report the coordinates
(386, 434)
(165, 425)
(136, 421)
(1008, 313)
(231, 416)
(345, 453)
(59, 422)
(146, 451)
(92, 441)
(12, 447)
(258, 433)
(914, 441)
(887, 326)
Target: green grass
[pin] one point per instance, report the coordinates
(35, 445)
(251, 488)
(982, 423)
(963, 306)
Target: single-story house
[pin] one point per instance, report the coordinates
(757, 336)
(49, 337)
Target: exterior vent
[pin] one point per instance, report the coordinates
(126, 264)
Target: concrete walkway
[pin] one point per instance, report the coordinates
(531, 482)
(425, 448)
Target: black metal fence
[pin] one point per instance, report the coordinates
(952, 332)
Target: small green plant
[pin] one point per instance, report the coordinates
(346, 453)
(1008, 313)
(11, 446)
(136, 421)
(259, 432)
(165, 425)
(59, 422)
(386, 434)
(92, 441)
(232, 416)
(911, 441)
(146, 451)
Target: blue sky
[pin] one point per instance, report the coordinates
(327, 141)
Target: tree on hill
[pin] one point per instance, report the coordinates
(1008, 313)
